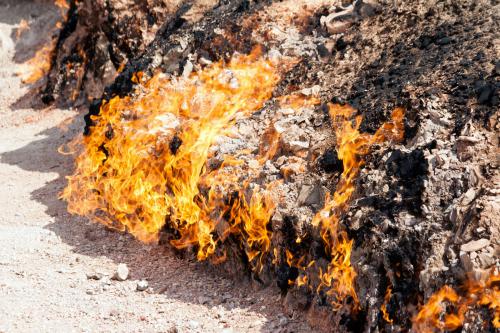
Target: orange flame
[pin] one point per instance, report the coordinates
(383, 308)
(351, 147)
(143, 166)
(40, 64)
(434, 316)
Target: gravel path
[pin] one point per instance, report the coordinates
(56, 270)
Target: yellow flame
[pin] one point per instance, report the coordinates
(383, 308)
(129, 177)
(352, 145)
(40, 64)
(434, 316)
(143, 167)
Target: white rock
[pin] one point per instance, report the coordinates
(299, 145)
(466, 262)
(188, 68)
(475, 245)
(121, 273)
(142, 285)
(486, 260)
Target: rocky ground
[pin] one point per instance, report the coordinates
(425, 211)
(56, 270)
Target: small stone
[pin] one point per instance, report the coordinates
(310, 195)
(281, 160)
(314, 91)
(473, 255)
(469, 196)
(451, 254)
(486, 260)
(475, 245)
(204, 300)
(466, 262)
(298, 145)
(94, 276)
(322, 50)
(274, 55)
(105, 281)
(269, 167)
(356, 220)
(204, 61)
(318, 121)
(335, 24)
(454, 214)
(188, 68)
(121, 273)
(408, 219)
(142, 285)
(283, 321)
(444, 41)
(253, 164)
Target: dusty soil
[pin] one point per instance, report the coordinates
(56, 269)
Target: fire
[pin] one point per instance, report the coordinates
(61, 4)
(144, 168)
(352, 145)
(40, 64)
(434, 316)
(383, 308)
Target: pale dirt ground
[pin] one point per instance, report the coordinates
(46, 254)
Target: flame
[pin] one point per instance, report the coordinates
(352, 145)
(434, 316)
(143, 167)
(61, 4)
(40, 64)
(383, 308)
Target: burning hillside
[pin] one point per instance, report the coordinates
(345, 152)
